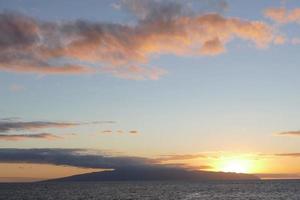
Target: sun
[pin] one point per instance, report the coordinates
(236, 165)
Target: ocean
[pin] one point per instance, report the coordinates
(226, 190)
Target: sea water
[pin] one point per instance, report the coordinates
(225, 190)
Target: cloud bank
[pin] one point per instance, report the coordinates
(29, 45)
(88, 158)
(72, 157)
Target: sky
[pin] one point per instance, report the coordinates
(206, 85)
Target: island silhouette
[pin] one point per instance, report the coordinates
(155, 174)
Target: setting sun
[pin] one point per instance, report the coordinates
(238, 166)
(235, 164)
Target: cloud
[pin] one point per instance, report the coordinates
(164, 158)
(13, 124)
(107, 132)
(97, 122)
(86, 158)
(29, 45)
(282, 15)
(6, 126)
(72, 157)
(288, 154)
(17, 137)
(135, 132)
(132, 132)
(290, 133)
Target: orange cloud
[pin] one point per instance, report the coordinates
(180, 157)
(17, 137)
(282, 15)
(44, 69)
(28, 45)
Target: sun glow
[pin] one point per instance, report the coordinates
(237, 165)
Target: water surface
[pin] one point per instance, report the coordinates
(254, 190)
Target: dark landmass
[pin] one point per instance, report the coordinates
(155, 174)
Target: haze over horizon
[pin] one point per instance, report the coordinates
(87, 86)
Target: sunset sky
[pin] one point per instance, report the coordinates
(198, 84)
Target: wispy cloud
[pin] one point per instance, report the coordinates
(17, 137)
(28, 45)
(134, 132)
(14, 124)
(107, 132)
(288, 154)
(131, 132)
(290, 133)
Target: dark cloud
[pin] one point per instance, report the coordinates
(72, 157)
(16, 137)
(86, 158)
(13, 124)
(134, 132)
(28, 45)
(10, 125)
